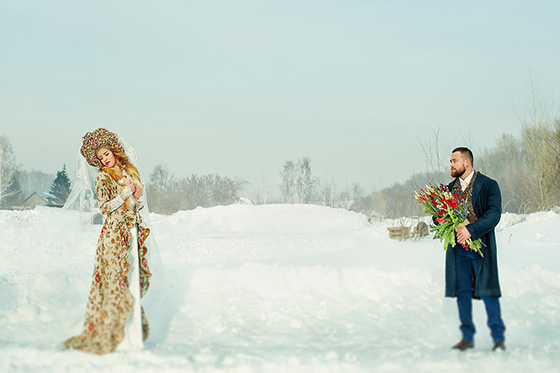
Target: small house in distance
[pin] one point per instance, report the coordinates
(34, 200)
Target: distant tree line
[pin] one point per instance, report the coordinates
(526, 167)
(168, 195)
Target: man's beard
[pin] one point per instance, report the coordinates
(458, 173)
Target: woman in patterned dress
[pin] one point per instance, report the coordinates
(121, 274)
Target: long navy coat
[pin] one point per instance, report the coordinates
(487, 203)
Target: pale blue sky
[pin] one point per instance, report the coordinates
(239, 87)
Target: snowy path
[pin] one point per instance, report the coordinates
(278, 288)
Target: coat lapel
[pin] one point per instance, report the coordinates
(477, 185)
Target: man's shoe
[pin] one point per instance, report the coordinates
(463, 345)
(499, 346)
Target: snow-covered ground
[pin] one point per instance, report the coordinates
(278, 288)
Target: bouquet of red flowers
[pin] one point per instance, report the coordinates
(450, 213)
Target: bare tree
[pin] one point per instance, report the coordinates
(289, 181)
(161, 178)
(298, 183)
(224, 190)
(327, 188)
(541, 141)
(195, 191)
(542, 177)
(9, 184)
(507, 162)
(332, 202)
(306, 182)
(358, 202)
(262, 197)
(432, 155)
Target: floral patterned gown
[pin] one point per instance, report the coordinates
(110, 303)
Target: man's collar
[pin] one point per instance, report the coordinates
(468, 179)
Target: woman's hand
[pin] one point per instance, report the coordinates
(137, 191)
(131, 185)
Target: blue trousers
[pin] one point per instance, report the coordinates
(467, 267)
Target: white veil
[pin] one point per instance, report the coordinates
(82, 194)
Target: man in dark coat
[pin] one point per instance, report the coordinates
(467, 274)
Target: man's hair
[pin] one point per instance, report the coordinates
(466, 152)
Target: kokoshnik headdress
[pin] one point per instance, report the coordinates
(98, 139)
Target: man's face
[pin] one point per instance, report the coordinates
(457, 164)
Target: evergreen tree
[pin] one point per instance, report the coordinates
(60, 188)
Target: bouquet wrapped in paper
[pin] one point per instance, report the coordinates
(450, 212)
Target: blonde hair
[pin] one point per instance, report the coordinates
(115, 172)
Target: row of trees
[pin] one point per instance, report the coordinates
(526, 167)
(168, 195)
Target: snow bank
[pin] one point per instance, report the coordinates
(237, 234)
(277, 288)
